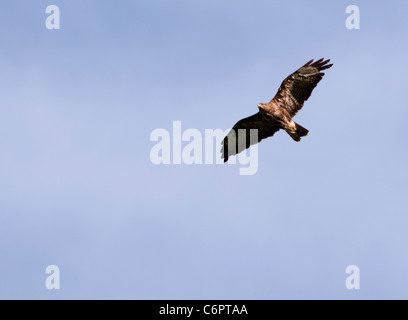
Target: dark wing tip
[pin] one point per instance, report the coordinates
(317, 63)
(322, 65)
(326, 67)
(224, 155)
(307, 63)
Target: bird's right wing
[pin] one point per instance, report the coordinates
(298, 87)
(235, 145)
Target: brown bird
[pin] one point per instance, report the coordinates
(278, 113)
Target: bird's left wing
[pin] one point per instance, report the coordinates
(265, 130)
(298, 87)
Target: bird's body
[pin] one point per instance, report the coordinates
(275, 115)
(278, 113)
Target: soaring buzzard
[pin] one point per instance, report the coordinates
(278, 113)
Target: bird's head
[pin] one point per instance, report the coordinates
(261, 105)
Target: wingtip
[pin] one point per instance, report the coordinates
(316, 63)
(224, 156)
(307, 63)
(326, 67)
(322, 64)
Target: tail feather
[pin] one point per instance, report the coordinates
(299, 132)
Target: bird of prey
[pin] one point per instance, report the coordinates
(278, 113)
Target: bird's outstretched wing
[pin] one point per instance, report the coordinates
(298, 87)
(231, 145)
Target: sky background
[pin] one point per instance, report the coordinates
(78, 189)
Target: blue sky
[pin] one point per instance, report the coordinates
(78, 189)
